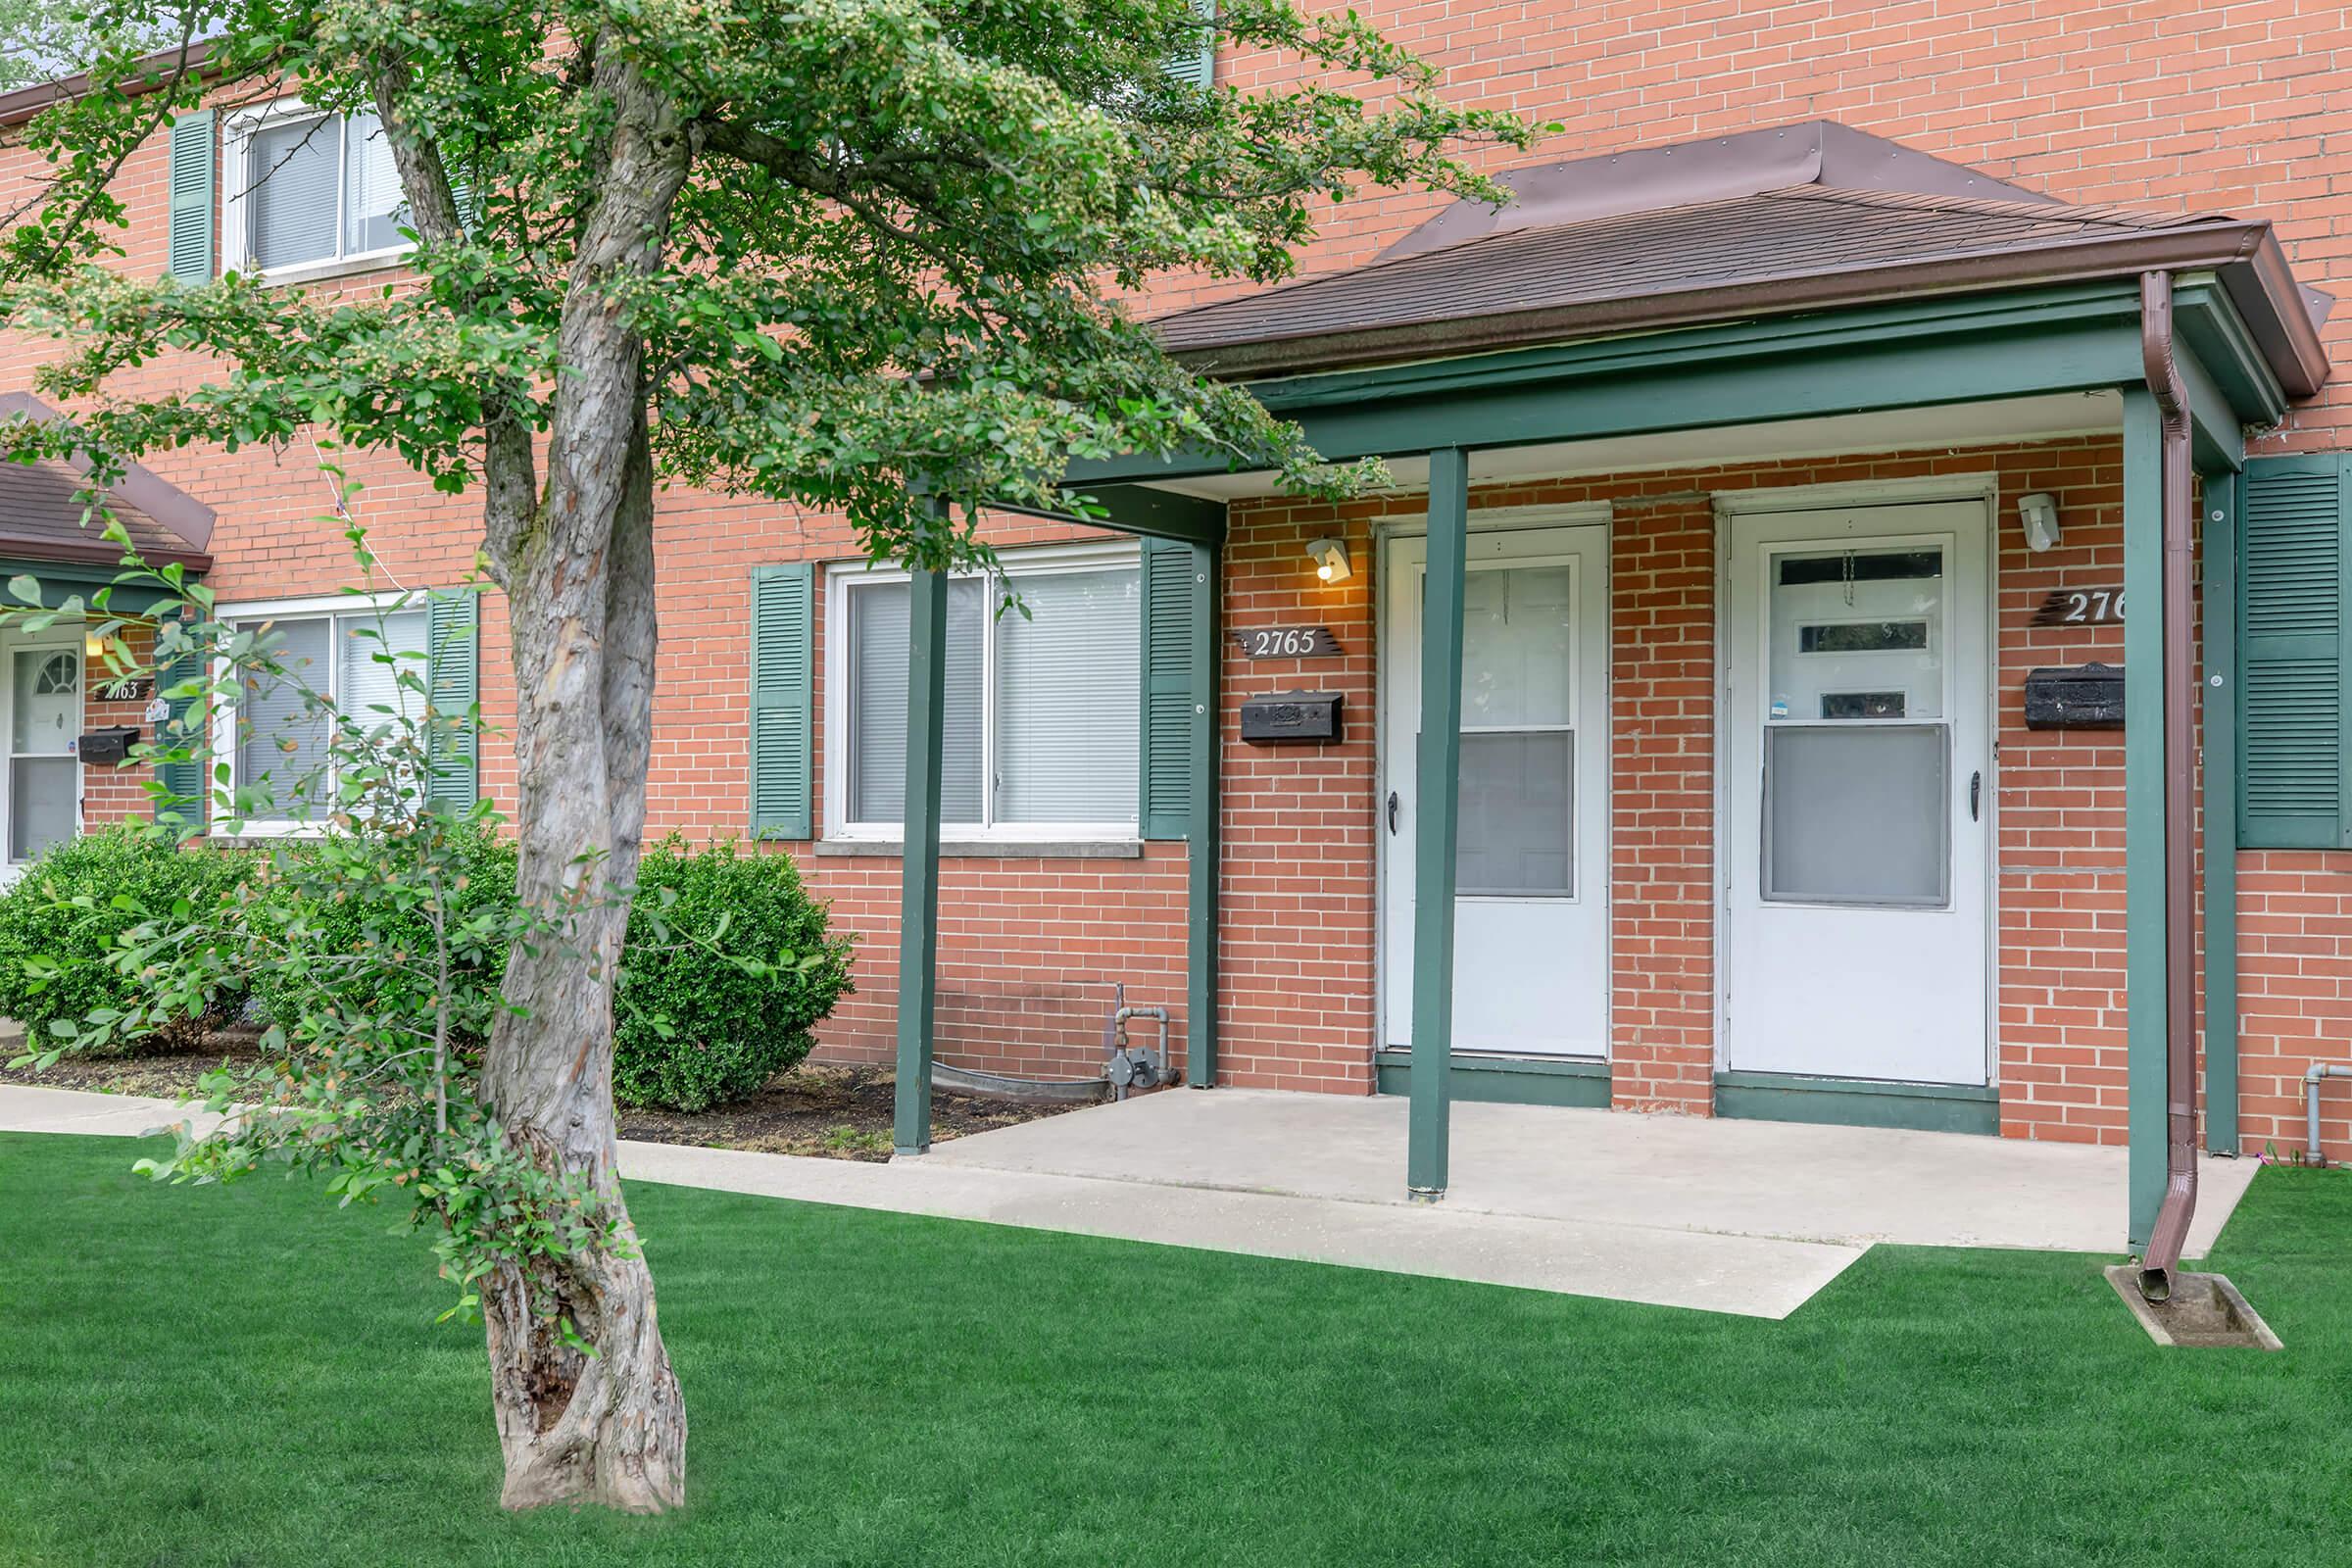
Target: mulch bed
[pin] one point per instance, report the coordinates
(837, 1112)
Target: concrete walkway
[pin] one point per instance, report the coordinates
(1749, 1218)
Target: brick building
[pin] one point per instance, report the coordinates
(1810, 400)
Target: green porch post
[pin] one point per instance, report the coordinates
(1438, 815)
(1201, 846)
(918, 898)
(2223, 506)
(2143, 805)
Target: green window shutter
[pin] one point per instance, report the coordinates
(2295, 657)
(453, 686)
(1198, 63)
(783, 674)
(1173, 689)
(192, 165)
(182, 782)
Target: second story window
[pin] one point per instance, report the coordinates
(312, 194)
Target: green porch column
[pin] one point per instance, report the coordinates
(1438, 812)
(2223, 505)
(918, 898)
(2143, 804)
(1201, 846)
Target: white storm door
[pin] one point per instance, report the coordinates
(44, 730)
(1858, 762)
(1531, 914)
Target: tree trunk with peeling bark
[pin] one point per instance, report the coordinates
(606, 1426)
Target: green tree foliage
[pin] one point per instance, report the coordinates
(867, 256)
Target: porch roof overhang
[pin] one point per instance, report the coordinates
(43, 533)
(1795, 274)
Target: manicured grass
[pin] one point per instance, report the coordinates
(245, 1376)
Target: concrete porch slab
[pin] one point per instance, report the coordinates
(1850, 1186)
(1750, 1276)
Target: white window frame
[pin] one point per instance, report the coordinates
(236, 186)
(224, 714)
(841, 579)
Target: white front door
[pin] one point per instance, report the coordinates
(40, 712)
(1531, 908)
(1858, 760)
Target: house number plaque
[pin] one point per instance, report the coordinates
(1286, 642)
(2082, 607)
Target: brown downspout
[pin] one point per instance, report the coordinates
(2163, 1254)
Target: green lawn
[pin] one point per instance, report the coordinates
(245, 1376)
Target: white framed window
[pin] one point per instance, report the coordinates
(308, 194)
(1042, 720)
(271, 738)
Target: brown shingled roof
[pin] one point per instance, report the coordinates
(1601, 248)
(41, 508)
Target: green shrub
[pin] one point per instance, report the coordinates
(694, 1026)
(691, 1027)
(696, 1029)
(122, 874)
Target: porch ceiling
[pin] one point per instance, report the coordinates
(1991, 422)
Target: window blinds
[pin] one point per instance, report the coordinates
(1065, 714)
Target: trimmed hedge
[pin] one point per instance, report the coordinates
(691, 1028)
(38, 921)
(695, 1030)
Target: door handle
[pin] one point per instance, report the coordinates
(1975, 793)
(1392, 812)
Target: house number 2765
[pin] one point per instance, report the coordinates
(1285, 642)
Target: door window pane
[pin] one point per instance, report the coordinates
(878, 629)
(1066, 699)
(1856, 814)
(292, 171)
(1517, 832)
(1849, 624)
(46, 715)
(40, 804)
(1516, 664)
(280, 742)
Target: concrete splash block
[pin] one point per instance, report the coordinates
(2205, 1312)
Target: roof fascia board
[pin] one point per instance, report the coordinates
(2206, 317)
(1134, 509)
(61, 582)
(1917, 353)
(2104, 259)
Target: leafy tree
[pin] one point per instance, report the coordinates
(859, 255)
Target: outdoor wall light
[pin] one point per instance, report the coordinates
(2039, 512)
(1329, 556)
(93, 646)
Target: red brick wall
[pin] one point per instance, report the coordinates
(2219, 106)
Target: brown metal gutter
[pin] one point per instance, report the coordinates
(24, 103)
(2163, 371)
(2243, 252)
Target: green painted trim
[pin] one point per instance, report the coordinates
(2224, 503)
(1436, 817)
(1858, 1103)
(2143, 805)
(2217, 435)
(1203, 840)
(2206, 319)
(1504, 1080)
(1909, 354)
(189, 198)
(918, 898)
(61, 583)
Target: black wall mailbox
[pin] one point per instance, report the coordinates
(2074, 697)
(1291, 716)
(109, 745)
